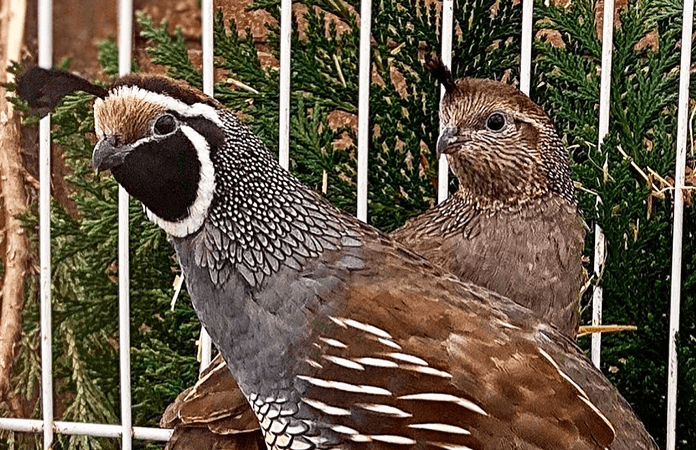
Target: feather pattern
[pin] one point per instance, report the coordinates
(425, 359)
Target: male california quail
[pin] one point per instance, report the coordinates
(530, 240)
(339, 337)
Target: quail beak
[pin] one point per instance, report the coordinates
(449, 141)
(108, 154)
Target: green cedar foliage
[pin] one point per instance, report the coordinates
(402, 180)
(637, 223)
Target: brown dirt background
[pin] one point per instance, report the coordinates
(78, 25)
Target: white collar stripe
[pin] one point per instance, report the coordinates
(204, 195)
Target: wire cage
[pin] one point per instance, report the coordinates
(48, 426)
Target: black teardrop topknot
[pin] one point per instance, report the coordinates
(440, 72)
(43, 88)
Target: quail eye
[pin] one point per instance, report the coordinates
(495, 122)
(164, 125)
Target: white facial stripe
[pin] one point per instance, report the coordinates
(204, 195)
(169, 103)
(144, 140)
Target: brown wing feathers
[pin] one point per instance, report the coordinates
(465, 372)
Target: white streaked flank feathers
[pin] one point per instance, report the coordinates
(361, 326)
(326, 409)
(445, 428)
(376, 362)
(343, 362)
(384, 409)
(391, 439)
(333, 342)
(341, 386)
(407, 358)
(438, 397)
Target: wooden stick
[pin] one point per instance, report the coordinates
(14, 197)
(591, 329)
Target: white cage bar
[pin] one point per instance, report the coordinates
(364, 105)
(125, 430)
(446, 55)
(284, 100)
(206, 344)
(680, 168)
(604, 108)
(87, 429)
(46, 61)
(125, 41)
(526, 44)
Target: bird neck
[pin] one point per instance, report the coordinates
(486, 201)
(261, 218)
(463, 209)
(269, 248)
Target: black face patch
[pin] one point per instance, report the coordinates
(164, 175)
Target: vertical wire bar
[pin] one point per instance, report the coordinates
(364, 105)
(208, 89)
(45, 19)
(446, 57)
(125, 29)
(526, 56)
(284, 119)
(604, 107)
(597, 293)
(680, 167)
